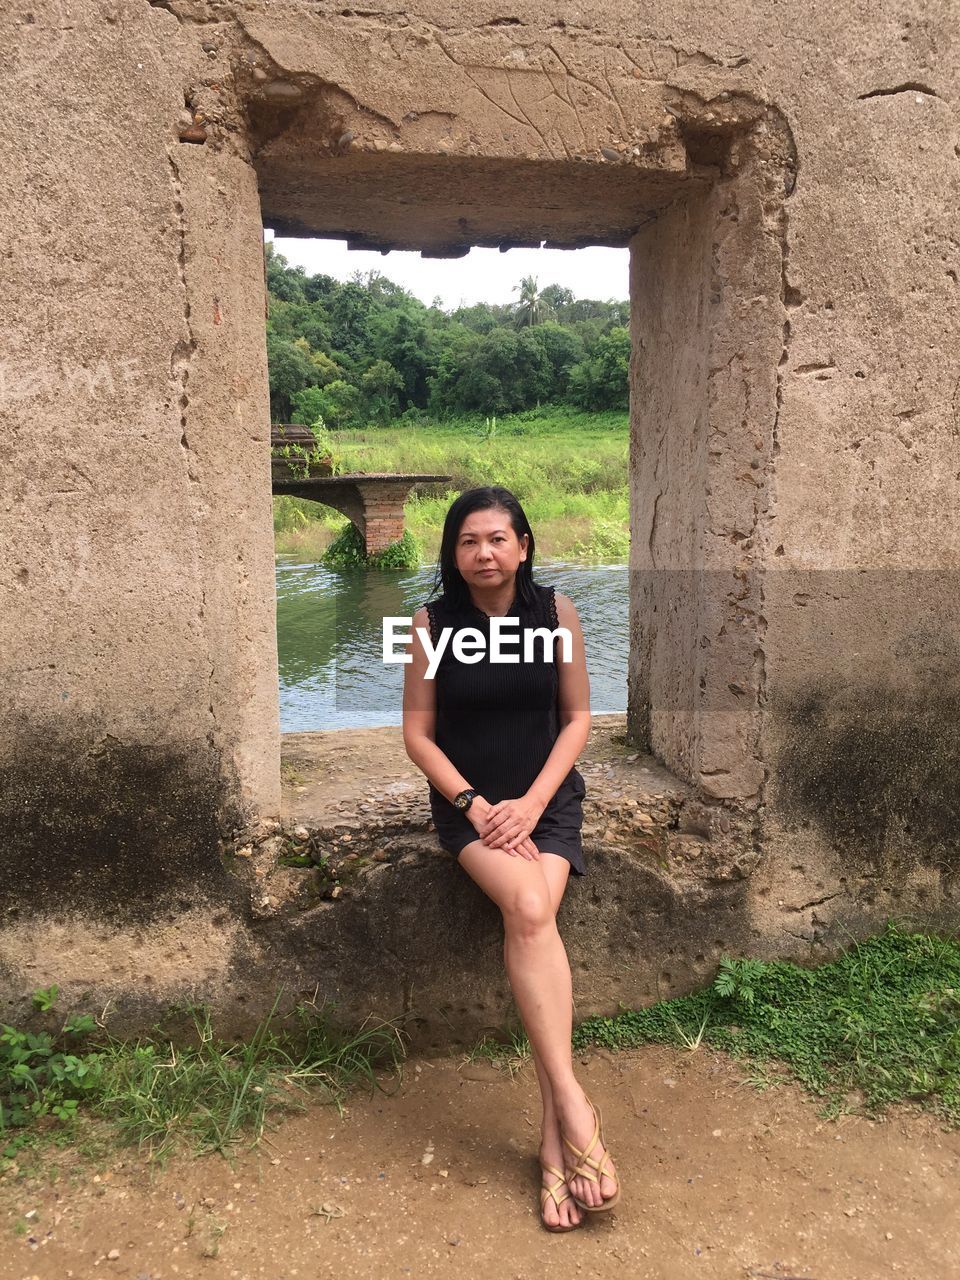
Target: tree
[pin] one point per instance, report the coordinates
(496, 372)
(379, 386)
(327, 370)
(291, 369)
(308, 406)
(482, 317)
(319, 288)
(554, 298)
(527, 309)
(563, 348)
(402, 337)
(348, 344)
(602, 381)
(283, 281)
(349, 312)
(305, 320)
(338, 403)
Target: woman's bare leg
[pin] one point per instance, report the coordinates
(539, 973)
(557, 872)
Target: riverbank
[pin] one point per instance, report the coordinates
(568, 469)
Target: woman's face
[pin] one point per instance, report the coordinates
(488, 551)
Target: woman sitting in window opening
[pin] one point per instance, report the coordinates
(497, 741)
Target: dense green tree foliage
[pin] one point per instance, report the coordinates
(367, 351)
(596, 382)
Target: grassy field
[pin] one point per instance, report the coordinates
(569, 470)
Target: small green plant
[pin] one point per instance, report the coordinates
(216, 1228)
(608, 541)
(43, 1074)
(737, 979)
(512, 1051)
(291, 774)
(154, 1093)
(404, 554)
(489, 429)
(691, 1039)
(301, 459)
(877, 1026)
(347, 551)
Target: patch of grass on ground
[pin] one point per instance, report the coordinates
(511, 1052)
(206, 1096)
(879, 1025)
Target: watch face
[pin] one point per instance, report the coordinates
(461, 802)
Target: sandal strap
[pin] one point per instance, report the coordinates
(584, 1156)
(586, 1164)
(585, 1169)
(552, 1191)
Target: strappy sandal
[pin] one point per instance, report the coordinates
(558, 1200)
(592, 1169)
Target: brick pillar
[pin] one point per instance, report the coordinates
(382, 514)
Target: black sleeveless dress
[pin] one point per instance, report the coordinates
(497, 722)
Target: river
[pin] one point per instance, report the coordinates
(330, 629)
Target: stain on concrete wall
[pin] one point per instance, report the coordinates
(125, 832)
(874, 767)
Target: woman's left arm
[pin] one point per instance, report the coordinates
(511, 820)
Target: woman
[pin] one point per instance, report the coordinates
(497, 742)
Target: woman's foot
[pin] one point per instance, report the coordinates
(577, 1123)
(566, 1214)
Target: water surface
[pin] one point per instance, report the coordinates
(330, 626)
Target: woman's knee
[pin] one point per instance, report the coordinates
(528, 909)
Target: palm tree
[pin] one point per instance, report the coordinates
(527, 308)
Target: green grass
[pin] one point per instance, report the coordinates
(160, 1097)
(878, 1026)
(510, 1052)
(568, 469)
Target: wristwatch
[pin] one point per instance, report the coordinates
(464, 800)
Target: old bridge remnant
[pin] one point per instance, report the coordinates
(787, 182)
(372, 500)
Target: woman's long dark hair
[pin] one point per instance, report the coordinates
(448, 576)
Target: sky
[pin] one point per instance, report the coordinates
(484, 275)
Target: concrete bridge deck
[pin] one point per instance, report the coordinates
(373, 500)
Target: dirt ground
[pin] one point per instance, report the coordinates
(439, 1178)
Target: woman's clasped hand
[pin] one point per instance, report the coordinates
(507, 825)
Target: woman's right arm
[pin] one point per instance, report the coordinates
(419, 723)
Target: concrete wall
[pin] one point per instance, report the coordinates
(139, 691)
(787, 179)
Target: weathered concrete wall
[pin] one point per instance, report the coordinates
(796, 429)
(139, 692)
(787, 181)
(354, 902)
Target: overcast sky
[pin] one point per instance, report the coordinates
(484, 275)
